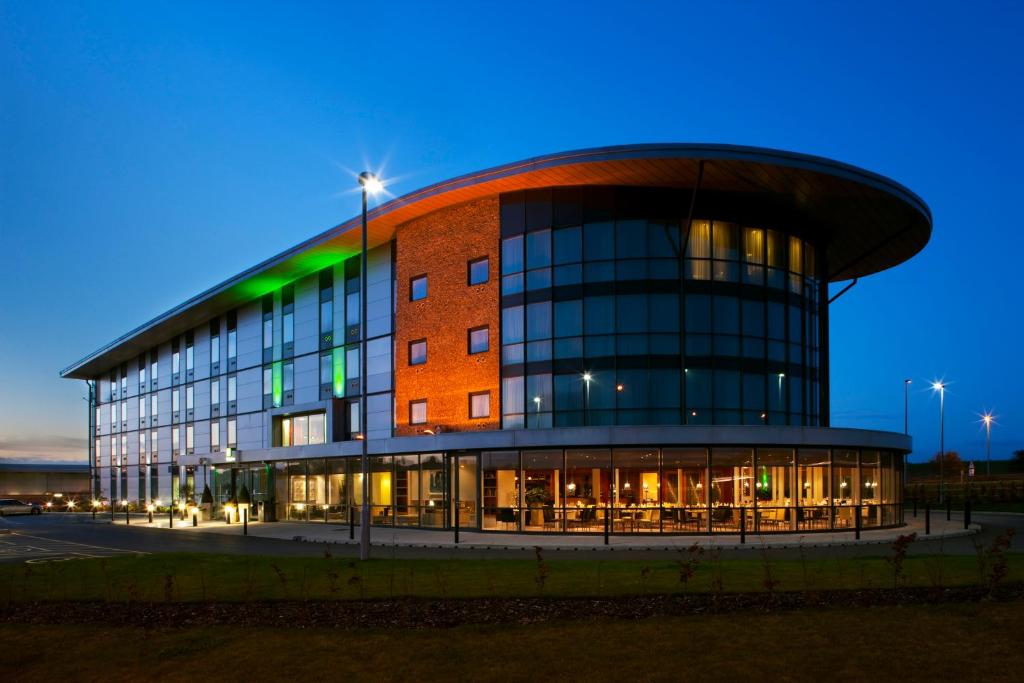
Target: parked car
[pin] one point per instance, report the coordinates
(9, 506)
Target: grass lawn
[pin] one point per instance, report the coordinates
(185, 577)
(914, 643)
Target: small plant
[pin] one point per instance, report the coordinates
(281, 577)
(542, 570)
(769, 581)
(168, 587)
(899, 555)
(687, 564)
(645, 576)
(356, 579)
(996, 558)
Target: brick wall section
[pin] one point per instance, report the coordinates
(441, 244)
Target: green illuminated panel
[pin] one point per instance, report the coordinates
(278, 385)
(338, 370)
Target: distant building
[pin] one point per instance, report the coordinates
(38, 482)
(634, 333)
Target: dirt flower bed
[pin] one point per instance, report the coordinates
(430, 613)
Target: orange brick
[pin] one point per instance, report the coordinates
(440, 245)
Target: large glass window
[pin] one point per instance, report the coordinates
(747, 346)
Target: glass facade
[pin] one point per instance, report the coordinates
(616, 310)
(669, 490)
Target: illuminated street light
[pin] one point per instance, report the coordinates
(370, 184)
(586, 397)
(988, 419)
(940, 387)
(906, 405)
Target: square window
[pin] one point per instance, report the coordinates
(418, 352)
(418, 288)
(479, 340)
(480, 404)
(418, 412)
(479, 271)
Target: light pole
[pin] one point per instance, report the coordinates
(906, 406)
(370, 184)
(988, 419)
(941, 388)
(586, 397)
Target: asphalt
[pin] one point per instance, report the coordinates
(58, 536)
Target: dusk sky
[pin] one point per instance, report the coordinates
(151, 150)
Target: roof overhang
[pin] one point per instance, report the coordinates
(870, 222)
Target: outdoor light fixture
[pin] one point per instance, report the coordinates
(371, 183)
(940, 386)
(988, 419)
(151, 508)
(618, 387)
(124, 503)
(429, 431)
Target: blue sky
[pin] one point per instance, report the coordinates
(150, 150)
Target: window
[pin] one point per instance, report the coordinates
(153, 368)
(480, 404)
(175, 442)
(479, 340)
(142, 371)
(214, 392)
(215, 349)
(418, 412)
(214, 436)
(175, 401)
(232, 383)
(175, 360)
(190, 435)
(418, 352)
(479, 271)
(190, 357)
(231, 433)
(124, 411)
(153, 443)
(302, 430)
(142, 408)
(189, 397)
(153, 406)
(232, 342)
(418, 288)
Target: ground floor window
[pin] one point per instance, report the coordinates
(580, 490)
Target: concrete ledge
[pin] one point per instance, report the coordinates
(475, 540)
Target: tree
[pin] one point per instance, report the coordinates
(950, 463)
(1018, 461)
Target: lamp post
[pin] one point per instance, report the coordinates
(586, 397)
(988, 419)
(906, 406)
(370, 184)
(941, 388)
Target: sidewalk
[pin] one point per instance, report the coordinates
(314, 532)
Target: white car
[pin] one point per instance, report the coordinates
(9, 506)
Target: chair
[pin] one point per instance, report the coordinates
(549, 518)
(721, 517)
(506, 516)
(587, 518)
(669, 518)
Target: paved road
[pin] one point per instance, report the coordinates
(60, 536)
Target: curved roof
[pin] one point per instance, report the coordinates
(870, 222)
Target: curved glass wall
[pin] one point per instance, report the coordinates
(613, 312)
(644, 489)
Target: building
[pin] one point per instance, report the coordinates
(41, 482)
(635, 333)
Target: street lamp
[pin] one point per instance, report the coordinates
(586, 397)
(906, 405)
(940, 387)
(988, 419)
(370, 184)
